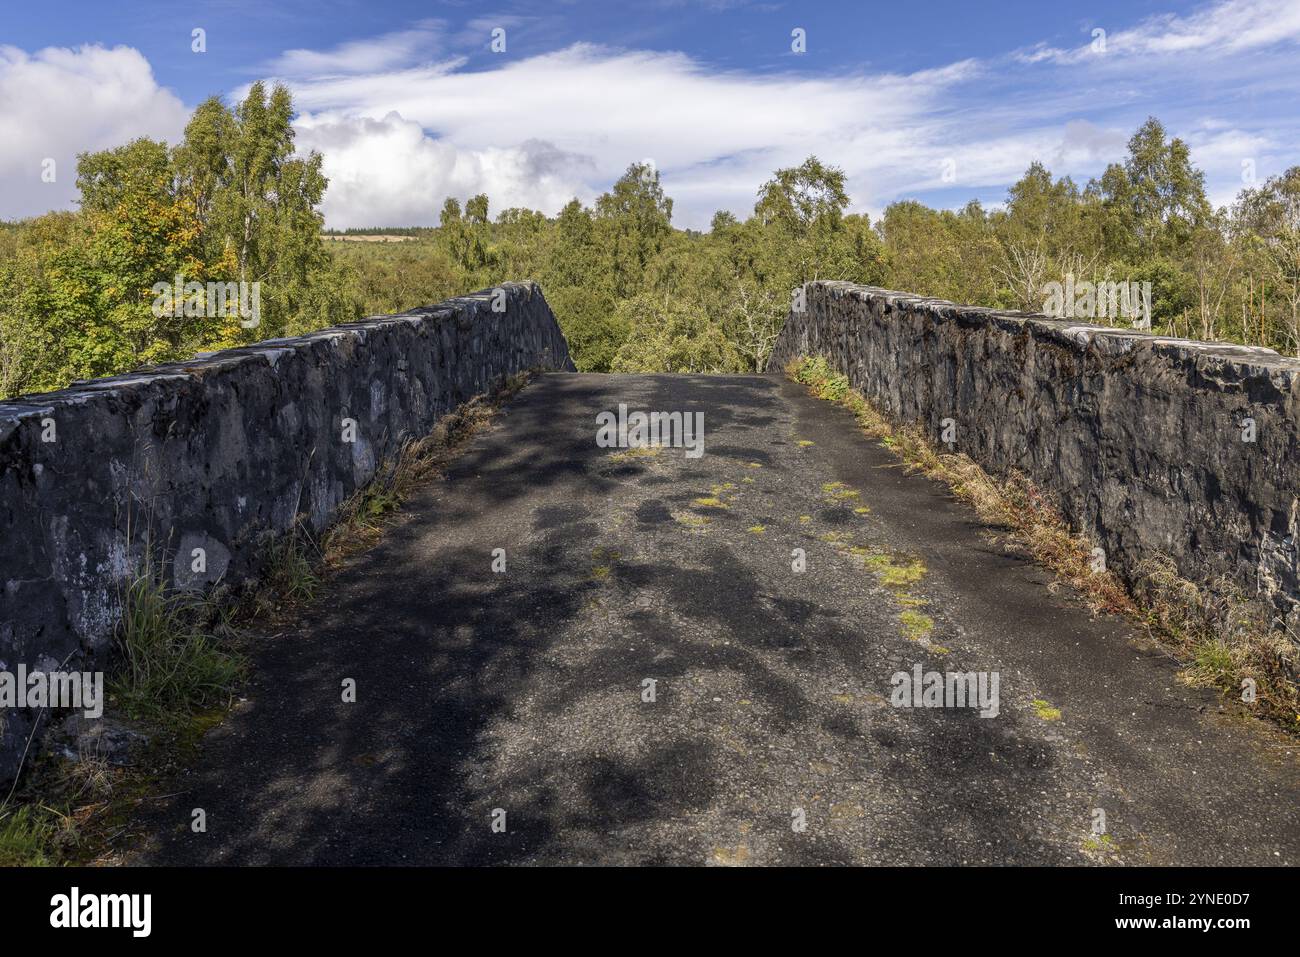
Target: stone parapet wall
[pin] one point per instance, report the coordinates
(1150, 445)
(218, 453)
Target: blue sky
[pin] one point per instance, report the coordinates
(937, 100)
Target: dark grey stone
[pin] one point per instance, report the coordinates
(219, 452)
(1139, 438)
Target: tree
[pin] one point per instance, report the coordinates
(1272, 213)
(580, 289)
(804, 207)
(231, 203)
(722, 220)
(1155, 198)
(1211, 260)
(634, 218)
(1043, 234)
(257, 206)
(140, 229)
(921, 248)
(476, 210)
(45, 291)
(671, 334)
(631, 293)
(465, 237)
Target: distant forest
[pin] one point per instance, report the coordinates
(233, 202)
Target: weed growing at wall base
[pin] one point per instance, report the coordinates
(175, 674)
(170, 669)
(289, 569)
(361, 519)
(1226, 640)
(26, 835)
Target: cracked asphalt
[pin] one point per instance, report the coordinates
(525, 691)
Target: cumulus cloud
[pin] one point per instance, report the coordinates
(717, 135)
(602, 110)
(409, 117)
(57, 103)
(389, 171)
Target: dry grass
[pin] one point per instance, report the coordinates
(1223, 638)
(176, 677)
(1228, 640)
(362, 518)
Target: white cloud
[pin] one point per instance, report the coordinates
(1230, 158)
(1224, 28)
(1086, 145)
(1039, 53)
(386, 52)
(400, 130)
(1227, 28)
(717, 135)
(390, 172)
(612, 108)
(58, 102)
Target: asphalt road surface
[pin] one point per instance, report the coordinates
(651, 681)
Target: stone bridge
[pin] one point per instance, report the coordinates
(570, 652)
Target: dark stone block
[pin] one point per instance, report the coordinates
(1140, 438)
(218, 452)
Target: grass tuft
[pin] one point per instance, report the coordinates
(1045, 711)
(289, 572)
(169, 668)
(26, 837)
(916, 626)
(1224, 638)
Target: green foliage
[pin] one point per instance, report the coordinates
(170, 668)
(802, 210)
(1269, 237)
(290, 563)
(26, 836)
(669, 334)
(634, 294)
(1155, 198)
(233, 201)
(822, 380)
(1229, 274)
(633, 222)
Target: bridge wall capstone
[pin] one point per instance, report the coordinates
(1150, 445)
(217, 454)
